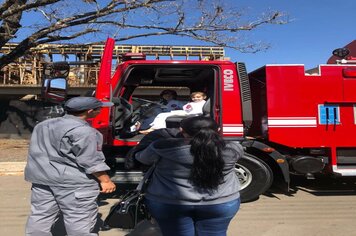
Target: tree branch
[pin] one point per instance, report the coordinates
(11, 24)
(6, 13)
(202, 20)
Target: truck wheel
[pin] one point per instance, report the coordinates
(255, 177)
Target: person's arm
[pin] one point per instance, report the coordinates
(147, 156)
(107, 186)
(130, 160)
(85, 145)
(238, 148)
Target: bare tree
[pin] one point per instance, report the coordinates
(210, 21)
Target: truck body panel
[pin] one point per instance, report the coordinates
(299, 110)
(230, 102)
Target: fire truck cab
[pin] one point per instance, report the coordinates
(289, 121)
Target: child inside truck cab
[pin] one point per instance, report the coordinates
(168, 99)
(195, 107)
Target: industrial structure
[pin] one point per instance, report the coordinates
(27, 71)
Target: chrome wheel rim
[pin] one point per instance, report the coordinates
(244, 175)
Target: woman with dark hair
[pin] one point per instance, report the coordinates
(194, 189)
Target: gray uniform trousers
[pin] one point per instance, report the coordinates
(78, 206)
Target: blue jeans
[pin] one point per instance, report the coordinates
(193, 220)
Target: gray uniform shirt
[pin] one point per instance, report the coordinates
(64, 152)
(170, 180)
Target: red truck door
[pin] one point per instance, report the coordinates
(103, 90)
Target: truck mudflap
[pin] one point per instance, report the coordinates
(279, 159)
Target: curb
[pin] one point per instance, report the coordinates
(12, 168)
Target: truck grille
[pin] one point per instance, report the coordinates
(245, 95)
(244, 83)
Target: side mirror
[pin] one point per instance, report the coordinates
(341, 52)
(54, 90)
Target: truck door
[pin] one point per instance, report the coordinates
(103, 91)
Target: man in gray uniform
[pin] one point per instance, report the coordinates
(67, 170)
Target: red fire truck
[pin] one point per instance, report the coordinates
(289, 121)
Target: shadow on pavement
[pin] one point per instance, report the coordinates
(320, 186)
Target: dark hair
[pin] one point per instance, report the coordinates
(169, 91)
(206, 148)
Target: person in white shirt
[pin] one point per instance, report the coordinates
(168, 103)
(195, 107)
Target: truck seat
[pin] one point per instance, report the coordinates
(123, 112)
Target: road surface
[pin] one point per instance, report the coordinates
(324, 207)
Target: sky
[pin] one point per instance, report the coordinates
(316, 28)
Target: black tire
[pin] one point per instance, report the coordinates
(255, 177)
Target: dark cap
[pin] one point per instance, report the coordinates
(85, 103)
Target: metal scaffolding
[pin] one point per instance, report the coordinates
(28, 69)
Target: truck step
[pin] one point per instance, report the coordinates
(132, 177)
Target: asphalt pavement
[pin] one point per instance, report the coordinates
(322, 207)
